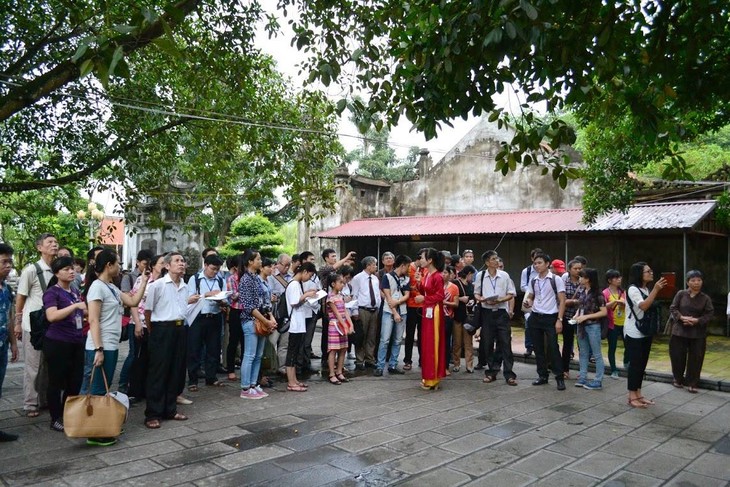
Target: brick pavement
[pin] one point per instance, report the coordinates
(383, 431)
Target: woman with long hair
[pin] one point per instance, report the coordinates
(591, 309)
(433, 329)
(638, 345)
(105, 303)
(63, 343)
(692, 310)
(255, 304)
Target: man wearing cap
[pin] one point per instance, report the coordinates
(573, 294)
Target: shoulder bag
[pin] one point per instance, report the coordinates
(94, 416)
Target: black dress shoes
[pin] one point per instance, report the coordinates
(561, 383)
(541, 381)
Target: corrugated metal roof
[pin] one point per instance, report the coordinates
(657, 216)
(665, 216)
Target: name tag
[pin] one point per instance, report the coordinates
(429, 312)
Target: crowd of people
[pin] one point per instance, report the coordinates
(250, 309)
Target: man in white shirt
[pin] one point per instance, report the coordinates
(31, 286)
(494, 295)
(366, 290)
(165, 309)
(546, 299)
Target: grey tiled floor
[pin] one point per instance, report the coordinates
(383, 431)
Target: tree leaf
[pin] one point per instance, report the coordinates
(529, 10)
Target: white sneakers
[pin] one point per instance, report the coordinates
(253, 393)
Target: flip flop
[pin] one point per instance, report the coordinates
(33, 413)
(646, 401)
(153, 424)
(407, 367)
(488, 379)
(216, 384)
(692, 390)
(179, 417)
(511, 382)
(637, 403)
(296, 388)
(342, 378)
(193, 388)
(334, 380)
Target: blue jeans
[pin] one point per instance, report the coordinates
(253, 350)
(110, 363)
(590, 340)
(392, 332)
(3, 363)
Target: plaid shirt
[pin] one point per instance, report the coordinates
(572, 291)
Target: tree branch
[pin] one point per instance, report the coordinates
(68, 71)
(20, 186)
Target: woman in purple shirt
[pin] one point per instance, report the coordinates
(63, 344)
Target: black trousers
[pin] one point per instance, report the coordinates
(689, 354)
(305, 360)
(638, 350)
(140, 365)
(205, 330)
(568, 342)
(166, 374)
(65, 371)
(235, 337)
(413, 325)
(495, 328)
(545, 339)
(295, 349)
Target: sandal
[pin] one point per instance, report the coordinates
(342, 378)
(511, 382)
(153, 424)
(455, 369)
(302, 384)
(692, 390)
(33, 413)
(216, 384)
(296, 388)
(489, 379)
(334, 380)
(407, 367)
(637, 403)
(179, 417)
(193, 388)
(646, 401)
(677, 385)
(232, 378)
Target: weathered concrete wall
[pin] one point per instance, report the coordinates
(464, 181)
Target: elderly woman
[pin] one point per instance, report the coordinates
(691, 310)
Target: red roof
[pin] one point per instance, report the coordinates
(653, 216)
(532, 221)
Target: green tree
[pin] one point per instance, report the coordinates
(254, 232)
(203, 106)
(651, 73)
(377, 159)
(26, 215)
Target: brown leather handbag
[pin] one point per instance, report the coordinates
(262, 328)
(93, 416)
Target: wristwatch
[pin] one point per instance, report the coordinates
(100, 349)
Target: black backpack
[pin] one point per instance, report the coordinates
(649, 324)
(38, 321)
(281, 312)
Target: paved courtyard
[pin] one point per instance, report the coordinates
(384, 431)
